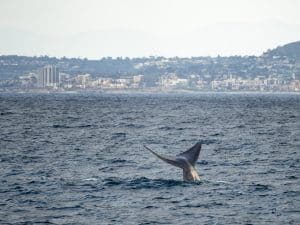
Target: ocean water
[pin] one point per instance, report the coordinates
(79, 158)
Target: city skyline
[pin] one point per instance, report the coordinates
(96, 29)
(276, 70)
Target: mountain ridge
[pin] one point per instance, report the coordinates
(291, 50)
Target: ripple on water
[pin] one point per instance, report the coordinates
(78, 159)
(146, 183)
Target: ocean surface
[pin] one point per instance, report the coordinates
(79, 158)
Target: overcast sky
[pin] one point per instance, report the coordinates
(97, 28)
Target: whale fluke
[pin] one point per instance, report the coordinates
(185, 161)
(192, 154)
(171, 160)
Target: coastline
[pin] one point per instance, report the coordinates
(145, 91)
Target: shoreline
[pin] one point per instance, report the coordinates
(146, 91)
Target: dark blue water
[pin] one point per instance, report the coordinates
(78, 159)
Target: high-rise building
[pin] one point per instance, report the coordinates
(49, 77)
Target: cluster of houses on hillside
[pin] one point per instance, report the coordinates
(49, 78)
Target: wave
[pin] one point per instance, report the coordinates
(146, 183)
(66, 126)
(6, 113)
(260, 187)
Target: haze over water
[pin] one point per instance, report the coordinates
(78, 158)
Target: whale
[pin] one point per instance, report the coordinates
(186, 161)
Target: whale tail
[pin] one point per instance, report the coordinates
(192, 154)
(171, 160)
(185, 161)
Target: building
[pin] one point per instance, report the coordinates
(173, 81)
(49, 77)
(28, 80)
(83, 80)
(137, 79)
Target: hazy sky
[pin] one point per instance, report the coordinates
(97, 28)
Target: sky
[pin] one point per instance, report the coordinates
(136, 28)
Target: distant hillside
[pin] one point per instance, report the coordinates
(209, 68)
(292, 50)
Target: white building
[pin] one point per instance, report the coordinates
(173, 81)
(49, 77)
(137, 79)
(83, 80)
